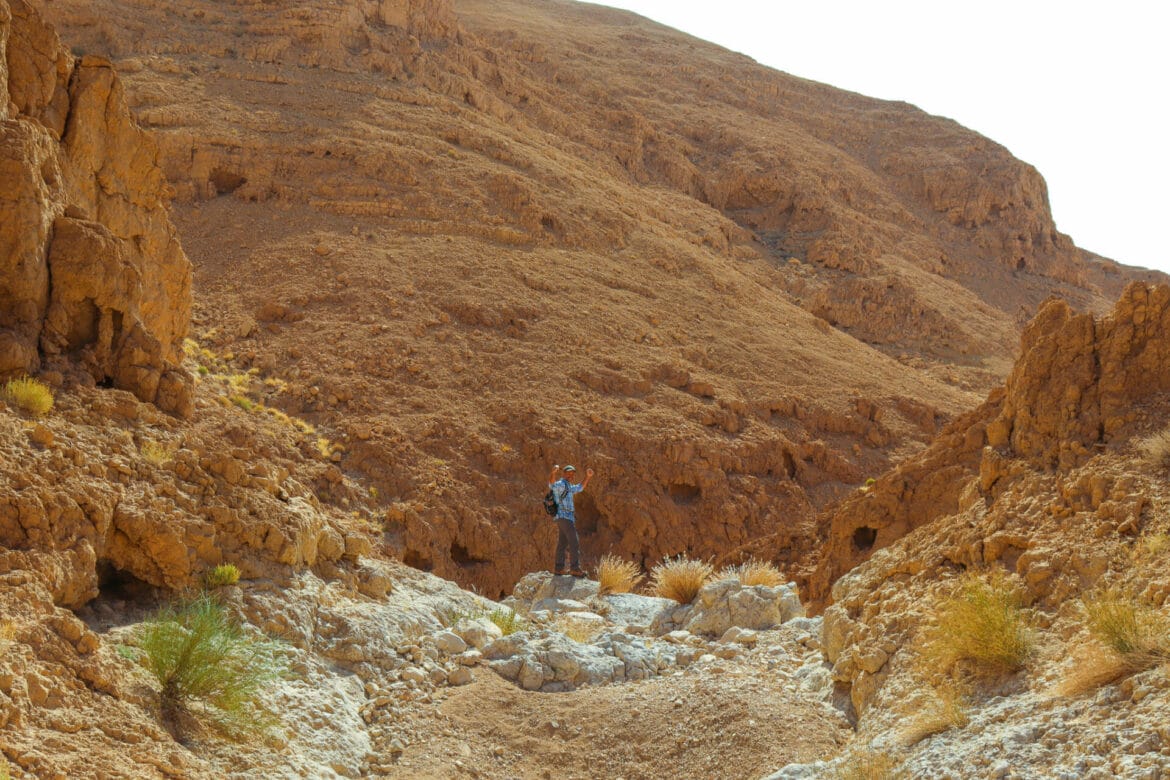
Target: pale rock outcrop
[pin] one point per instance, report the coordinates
(91, 271)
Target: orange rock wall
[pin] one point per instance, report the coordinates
(91, 271)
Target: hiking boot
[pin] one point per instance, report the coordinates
(560, 572)
(577, 573)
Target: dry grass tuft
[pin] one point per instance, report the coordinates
(617, 576)
(867, 764)
(7, 633)
(507, 620)
(157, 453)
(680, 578)
(1155, 450)
(29, 395)
(1092, 666)
(1155, 544)
(577, 630)
(980, 622)
(753, 572)
(1137, 633)
(946, 709)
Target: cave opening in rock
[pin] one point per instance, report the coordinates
(226, 182)
(863, 538)
(461, 557)
(587, 514)
(116, 584)
(416, 560)
(683, 493)
(122, 599)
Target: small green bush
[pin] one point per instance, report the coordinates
(224, 574)
(30, 395)
(981, 622)
(208, 668)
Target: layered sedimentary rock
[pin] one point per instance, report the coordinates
(91, 271)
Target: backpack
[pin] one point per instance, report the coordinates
(550, 503)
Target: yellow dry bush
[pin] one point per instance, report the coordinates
(946, 709)
(867, 764)
(1155, 544)
(1090, 667)
(29, 395)
(680, 578)
(1155, 450)
(7, 633)
(221, 575)
(980, 622)
(577, 630)
(157, 453)
(753, 572)
(615, 575)
(507, 620)
(1137, 633)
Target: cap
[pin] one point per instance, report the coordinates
(568, 468)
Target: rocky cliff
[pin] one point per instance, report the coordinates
(1080, 387)
(1047, 482)
(91, 272)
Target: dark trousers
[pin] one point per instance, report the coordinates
(567, 537)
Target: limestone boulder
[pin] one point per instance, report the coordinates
(726, 603)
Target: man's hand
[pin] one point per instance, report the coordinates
(589, 472)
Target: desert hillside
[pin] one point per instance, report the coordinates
(435, 247)
(470, 240)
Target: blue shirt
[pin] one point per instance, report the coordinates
(564, 490)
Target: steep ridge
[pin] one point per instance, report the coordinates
(1047, 483)
(471, 240)
(91, 271)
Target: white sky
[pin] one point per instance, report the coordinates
(1078, 89)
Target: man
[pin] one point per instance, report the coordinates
(563, 490)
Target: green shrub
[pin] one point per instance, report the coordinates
(208, 668)
(980, 622)
(29, 395)
(224, 574)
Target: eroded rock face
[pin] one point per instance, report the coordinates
(91, 271)
(1078, 380)
(1081, 383)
